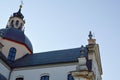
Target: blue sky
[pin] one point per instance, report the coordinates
(63, 24)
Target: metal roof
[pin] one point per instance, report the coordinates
(51, 57)
(17, 36)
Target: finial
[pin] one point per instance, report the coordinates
(20, 6)
(90, 35)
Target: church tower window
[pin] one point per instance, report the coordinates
(12, 23)
(45, 77)
(12, 53)
(70, 77)
(17, 23)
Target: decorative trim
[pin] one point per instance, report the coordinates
(45, 66)
(44, 74)
(83, 74)
(20, 43)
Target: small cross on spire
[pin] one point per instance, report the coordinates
(90, 35)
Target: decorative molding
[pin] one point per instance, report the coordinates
(83, 74)
(45, 66)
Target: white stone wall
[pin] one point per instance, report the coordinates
(4, 70)
(21, 49)
(95, 68)
(55, 73)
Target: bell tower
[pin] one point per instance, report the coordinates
(16, 20)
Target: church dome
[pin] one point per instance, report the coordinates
(17, 36)
(14, 30)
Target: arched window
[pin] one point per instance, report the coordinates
(17, 22)
(20, 78)
(12, 53)
(45, 77)
(12, 23)
(70, 77)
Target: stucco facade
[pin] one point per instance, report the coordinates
(21, 49)
(55, 72)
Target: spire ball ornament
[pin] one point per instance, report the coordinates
(20, 6)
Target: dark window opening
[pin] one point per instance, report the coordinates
(17, 22)
(44, 78)
(19, 78)
(12, 23)
(70, 77)
(12, 53)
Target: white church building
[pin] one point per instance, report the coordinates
(18, 62)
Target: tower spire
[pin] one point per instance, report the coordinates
(20, 9)
(21, 6)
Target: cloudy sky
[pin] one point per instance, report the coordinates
(63, 24)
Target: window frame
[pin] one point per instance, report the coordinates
(17, 23)
(12, 54)
(44, 75)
